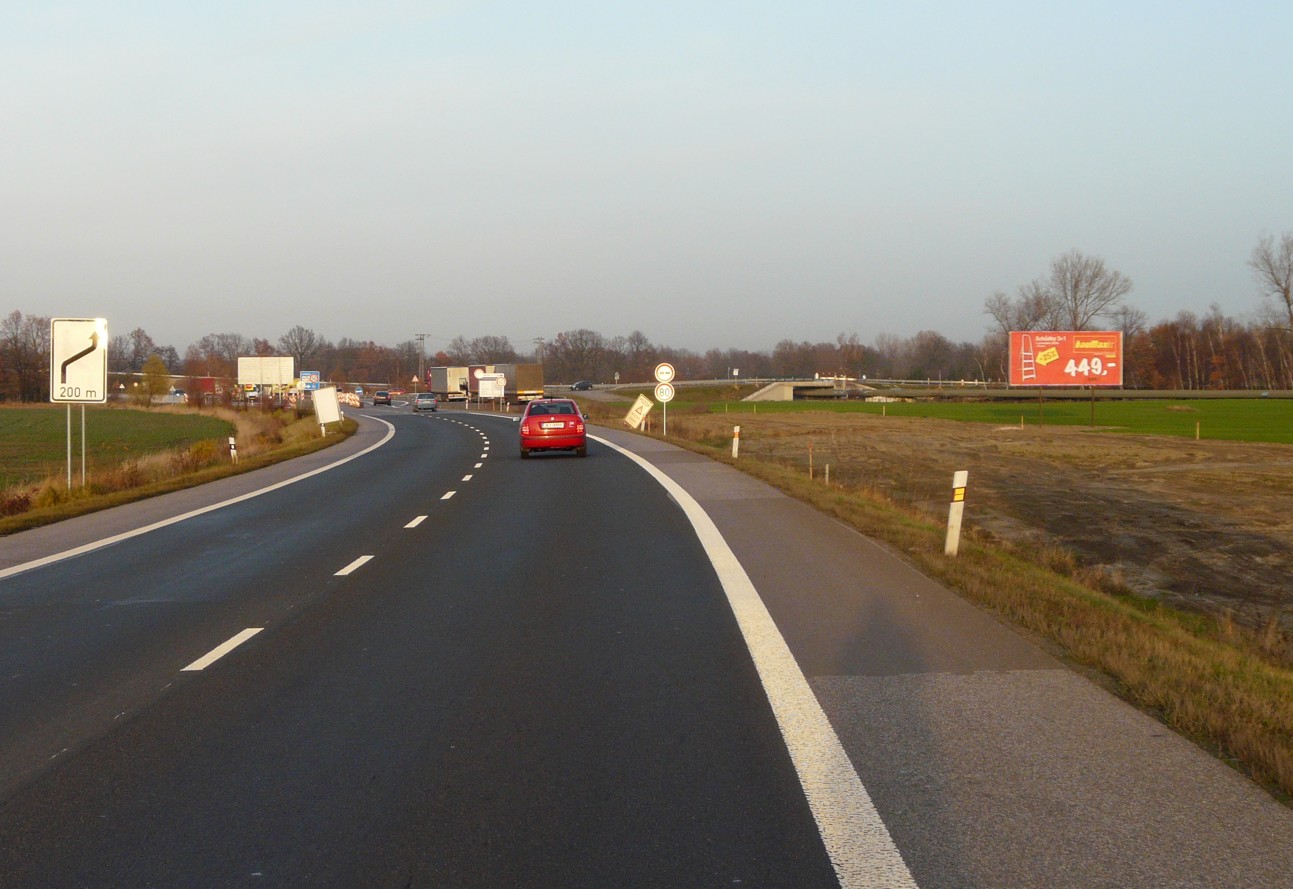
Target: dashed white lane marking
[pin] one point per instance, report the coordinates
(221, 650)
(467, 477)
(478, 466)
(483, 456)
(448, 494)
(126, 535)
(417, 521)
(354, 566)
(859, 845)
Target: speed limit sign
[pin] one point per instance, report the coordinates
(664, 392)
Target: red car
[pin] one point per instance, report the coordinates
(553, 424)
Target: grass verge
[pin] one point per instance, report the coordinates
(260, 444)
(1206, 679)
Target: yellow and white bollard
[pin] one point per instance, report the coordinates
(955, 512)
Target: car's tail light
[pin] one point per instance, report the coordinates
(525, 428)
(579, 426)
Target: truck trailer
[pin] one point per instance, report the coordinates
(448, 383)
(524, 381)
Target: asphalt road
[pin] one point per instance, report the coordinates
(559, 675)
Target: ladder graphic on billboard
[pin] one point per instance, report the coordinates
(1027, 364)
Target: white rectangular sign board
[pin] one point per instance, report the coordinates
(78, 360)
(638, 412)
(273, 371)
(326, 409)
(491, 385)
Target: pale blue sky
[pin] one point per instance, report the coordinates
(714, 174)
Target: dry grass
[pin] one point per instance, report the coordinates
(1227, 686)
(262, 439)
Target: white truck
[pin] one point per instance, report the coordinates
(448, 383)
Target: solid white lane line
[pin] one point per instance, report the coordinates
(126, 535)
(221, 650)
(448, 495)
(859, 845)
(419, 520)
(354, 566)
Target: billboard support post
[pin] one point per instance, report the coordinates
(1069, 358)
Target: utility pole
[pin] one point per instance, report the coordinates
(422, 353)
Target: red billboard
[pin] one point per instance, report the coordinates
(1066, 358)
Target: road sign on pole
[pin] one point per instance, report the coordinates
(664, 372)
(78, 364)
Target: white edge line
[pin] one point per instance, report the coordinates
(221, 650)
(354, 566)
(126, 535)
(859, 845)
(417, 521)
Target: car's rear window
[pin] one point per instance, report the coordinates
(557, 408)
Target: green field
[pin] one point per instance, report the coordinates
(33, 439)
(1253, 419)
(1237, 420)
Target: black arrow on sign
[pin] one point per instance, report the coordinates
(94, 344)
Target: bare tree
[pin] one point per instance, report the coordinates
(220, 352)
(577, 355)
(493, 349)
(1081, 289)
(24, 356)
(302, 344)
(1130, 321)
(1272, 266)
(459, 351)
(1031, 309)
(128, 353)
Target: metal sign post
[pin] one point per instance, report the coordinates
(664, 393)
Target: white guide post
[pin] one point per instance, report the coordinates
(955, 512)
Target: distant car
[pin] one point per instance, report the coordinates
(553, 424)
(425, 401)
(581, 386)
(399, 391)
(381, 396)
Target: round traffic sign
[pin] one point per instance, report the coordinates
(664, 372)
(664, 392)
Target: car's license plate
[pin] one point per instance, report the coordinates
(560, 424)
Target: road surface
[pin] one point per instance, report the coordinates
(418, 661)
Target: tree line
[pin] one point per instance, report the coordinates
(1079, 293)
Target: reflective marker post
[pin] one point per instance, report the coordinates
(955, 512)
